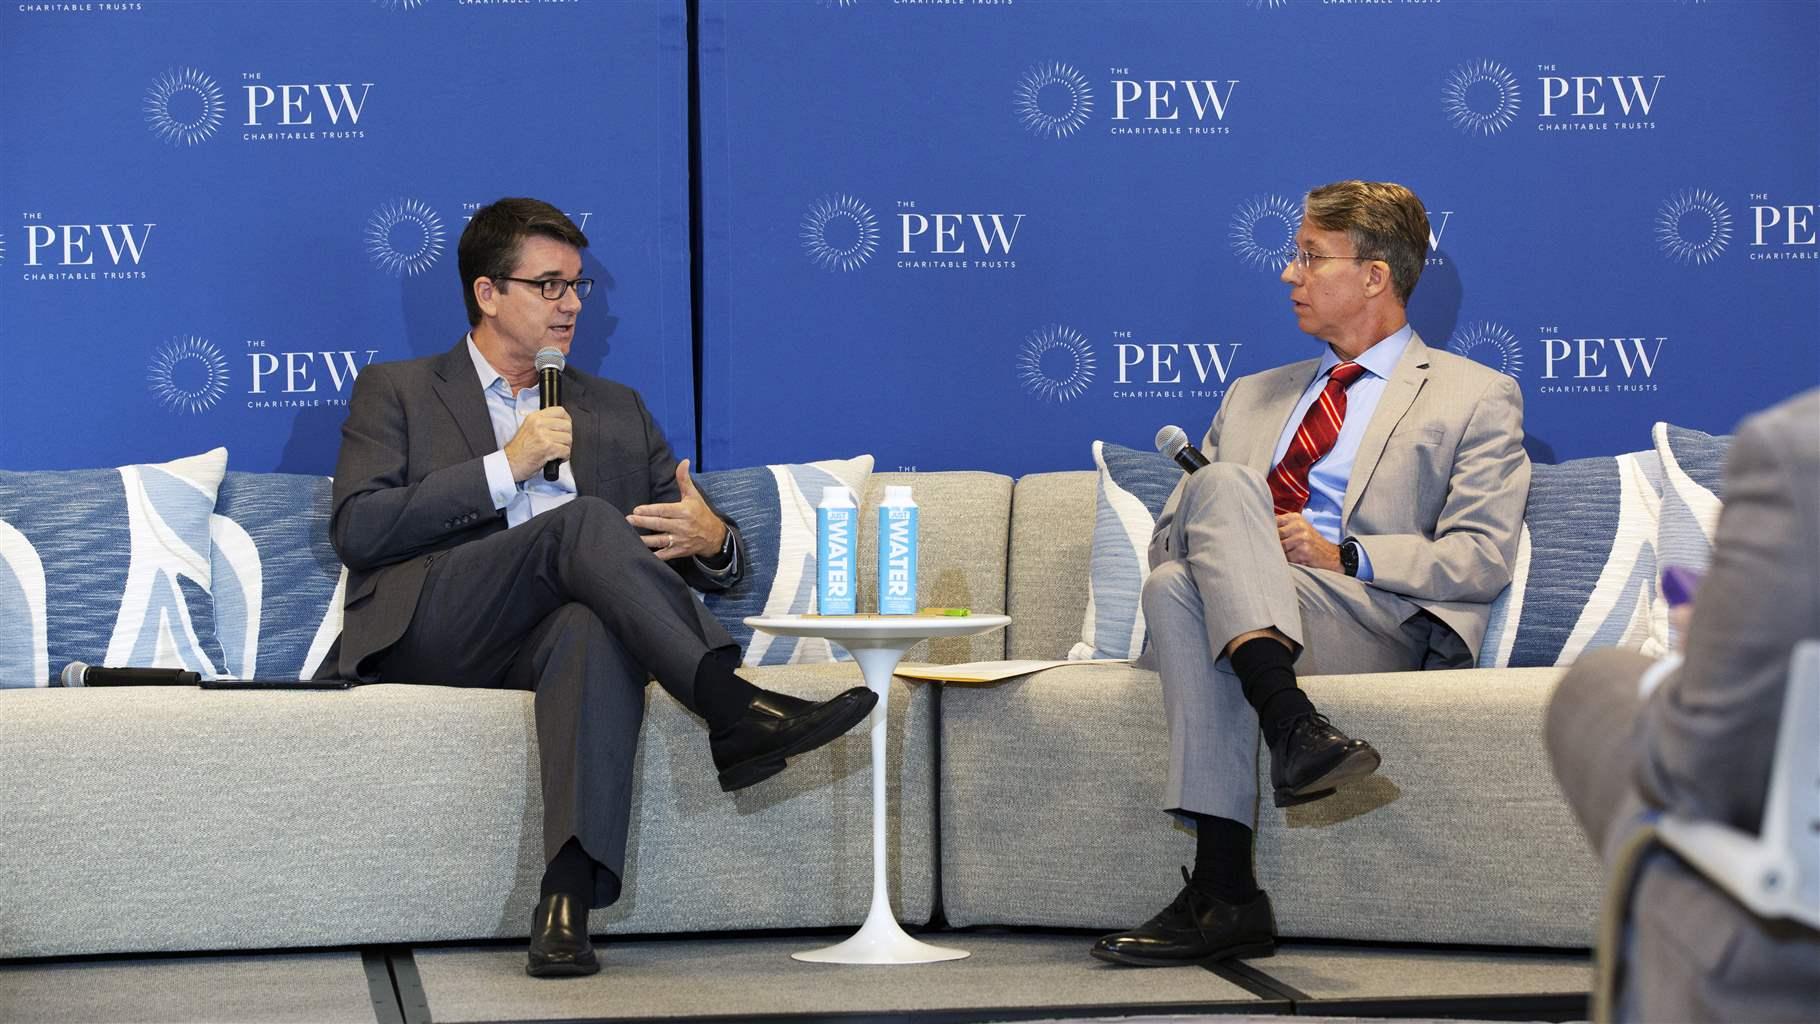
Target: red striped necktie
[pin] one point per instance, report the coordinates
(1313, 439)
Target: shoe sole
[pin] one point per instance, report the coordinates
(1246, 951)
(563, 969)
(758, 769)
(1351, 768)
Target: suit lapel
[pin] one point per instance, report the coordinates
(456, 386)
(1274, 412)
(1399, 394)
(586, 462)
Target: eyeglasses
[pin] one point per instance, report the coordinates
(1306, 258)
(555, 287)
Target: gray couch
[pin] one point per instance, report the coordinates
(155, 819)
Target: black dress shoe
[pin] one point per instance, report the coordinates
(559, 939)
(776, 726)
(1196, 928)
(1312, 759)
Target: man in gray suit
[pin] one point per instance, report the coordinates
(1360, 513)
(470, 565)
(1629, 734)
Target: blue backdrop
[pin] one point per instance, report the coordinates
(953, 234)
(977, 234)
(215, 213)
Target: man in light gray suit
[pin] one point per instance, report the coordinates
(1360, 512)
(492, 542)
(1695, 737)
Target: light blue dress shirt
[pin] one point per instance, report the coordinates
(536, 495)
(1327, 478)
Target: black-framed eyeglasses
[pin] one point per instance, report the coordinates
(555, 287)
(1306, 259)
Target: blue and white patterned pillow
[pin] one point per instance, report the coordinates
(1132, 488)
(278, 585)
(109, 567)
(1693, 492)
(775, 509)
(1585, 574)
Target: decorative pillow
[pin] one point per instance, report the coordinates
(278, 585)
(1586, 567)
(775, 509)
(1693, 470)
(108, 567)
(1133, 487)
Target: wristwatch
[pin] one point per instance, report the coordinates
(1349, 557)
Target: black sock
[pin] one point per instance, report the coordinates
(1222, 859)
(571, 871)
(720, 696)
(1266, 671)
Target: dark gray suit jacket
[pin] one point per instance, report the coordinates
(410, 483)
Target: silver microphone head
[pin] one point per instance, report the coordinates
(550, 359)
(1170, 440)
(73, 672)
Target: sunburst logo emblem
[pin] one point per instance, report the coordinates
(1693, 226)
(1482, 97)
(1489, 343)
(401, 5)
(1053, 100)
(1263, 231)
(404, 237)
(2, 247)
(184, 107)
(1266, 5)
(188, 374)
(1056, 364)
(839, 232)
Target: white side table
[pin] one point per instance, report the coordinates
(878, 644)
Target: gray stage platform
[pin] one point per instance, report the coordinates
(305, 988)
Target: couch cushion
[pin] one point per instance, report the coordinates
(1051, 788)
(1052, 517)
(964, 520)
(396, 813)
(278, 584)
(1132, 487)
(775, 509)
(108, 567)
(1585, 574)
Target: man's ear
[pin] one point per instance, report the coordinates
(1377, 278)
(486, 295)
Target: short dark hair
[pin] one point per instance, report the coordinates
(490, 243)
(1385, 221)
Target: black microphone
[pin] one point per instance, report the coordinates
(1173, 442)
(549, 365)
(78, 673)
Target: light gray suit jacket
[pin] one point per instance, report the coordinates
(1702, 745)
(1438, 487)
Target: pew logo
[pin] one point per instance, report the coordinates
(84, 252)
(293, 379)
(188, 375)
(1491, 344)
(1053, 100)
(1172, 369)
(1185, 106)
(1263, 231)
(839, 232)
(1481, 97)
(1693, 226)
(1055, 364)
(404, 237)
(184, 107)
(1620, 364)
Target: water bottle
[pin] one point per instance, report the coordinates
(897, 553)
(836, 525)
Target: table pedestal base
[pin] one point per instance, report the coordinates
(880, 941)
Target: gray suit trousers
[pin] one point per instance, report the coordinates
(1219, 571)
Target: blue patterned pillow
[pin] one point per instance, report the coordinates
(278, 585)
(1133, 486)
(109, 567)
(1586, 568)
(1693, 493)
(775, 509)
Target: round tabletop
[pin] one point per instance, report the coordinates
(877, 627)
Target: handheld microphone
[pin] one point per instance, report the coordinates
(549, 365)
(1173, 442)
(78, 673)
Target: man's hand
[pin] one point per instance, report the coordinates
(683, 528)
(544, 435)
(1303, 546)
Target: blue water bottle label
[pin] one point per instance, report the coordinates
(897, 560)
(834, 531)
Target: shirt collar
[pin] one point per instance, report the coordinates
(1378, 360)
(483, 369)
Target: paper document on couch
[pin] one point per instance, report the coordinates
(992, 671)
